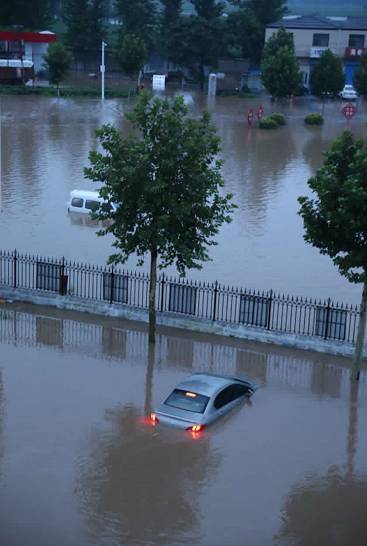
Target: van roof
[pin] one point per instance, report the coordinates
(85, 194)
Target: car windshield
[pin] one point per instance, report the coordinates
(189, 401)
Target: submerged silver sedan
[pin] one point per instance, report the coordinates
(201, 399)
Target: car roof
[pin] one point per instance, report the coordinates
(206, 383)
(85, 194)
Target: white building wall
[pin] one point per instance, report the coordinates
(303, 39)
(34, 52)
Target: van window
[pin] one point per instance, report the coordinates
(92, 205)
(77, 202)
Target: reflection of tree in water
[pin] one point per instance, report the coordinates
(255, 162)
(2, 417)
(142, 485)
(314, 148)
(329, 510)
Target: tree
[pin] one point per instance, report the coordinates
(132, 55)
(57, 61)
(85, 24)
(280, 69)
(33, 15)
(171, 28)
(335, 220)
(360, 76)
(202, 37)
(138, 17)
(97, 30)
(248, 21)
(327, 75)
(167, 185)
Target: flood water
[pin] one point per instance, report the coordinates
(80, 466)
(45, 145)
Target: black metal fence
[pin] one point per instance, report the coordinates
(210, 301)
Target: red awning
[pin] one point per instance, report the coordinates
(35, 37)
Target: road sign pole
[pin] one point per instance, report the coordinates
(103, 69)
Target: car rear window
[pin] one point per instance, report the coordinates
(189, 401)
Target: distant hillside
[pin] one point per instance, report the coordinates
(321, 7)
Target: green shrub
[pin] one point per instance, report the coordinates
(314, 119)
(268, 123)
(278, 118)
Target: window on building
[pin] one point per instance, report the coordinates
(15, 46)
(356, 41)
(320, 40)
(3, 45)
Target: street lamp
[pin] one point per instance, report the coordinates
(103, 69)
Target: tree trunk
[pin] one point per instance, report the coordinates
(202, 75)
(360, 336)
(152, 291)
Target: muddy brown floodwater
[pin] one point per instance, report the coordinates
(79, 465)
(45, 145)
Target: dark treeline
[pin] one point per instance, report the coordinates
(212, 29)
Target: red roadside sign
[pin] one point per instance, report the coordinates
(349, 111)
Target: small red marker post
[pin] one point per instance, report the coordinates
(260, 112)
(349, 111)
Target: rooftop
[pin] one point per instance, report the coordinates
(323, 23)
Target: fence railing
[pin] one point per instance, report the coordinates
(211, 301)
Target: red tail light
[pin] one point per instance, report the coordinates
(195, 428)
(154, 419)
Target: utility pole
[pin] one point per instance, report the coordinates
(103, 69)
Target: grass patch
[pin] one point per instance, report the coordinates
(43, 91)
(233, 93)
(278, 118)
(314, 119)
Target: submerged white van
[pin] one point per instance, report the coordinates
(85, 201)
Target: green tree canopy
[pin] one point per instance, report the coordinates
(85, 23)
(32, 15)
(335, 218)
(360, 76)
(171, 21)
(280, 69)
(167, 185)
(247, 22)
(202, 37)
(138, 17)
(132, 54)
(327, 75)
(57, 61)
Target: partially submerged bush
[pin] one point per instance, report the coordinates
(314, 119)
(278, 118)
(268, 123)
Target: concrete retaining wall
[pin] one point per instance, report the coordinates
(240, 331)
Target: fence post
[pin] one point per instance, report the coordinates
(327, 318)
(163, 282)
(269, 309)
(215, 301)
(112, 285)
(15, 269)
